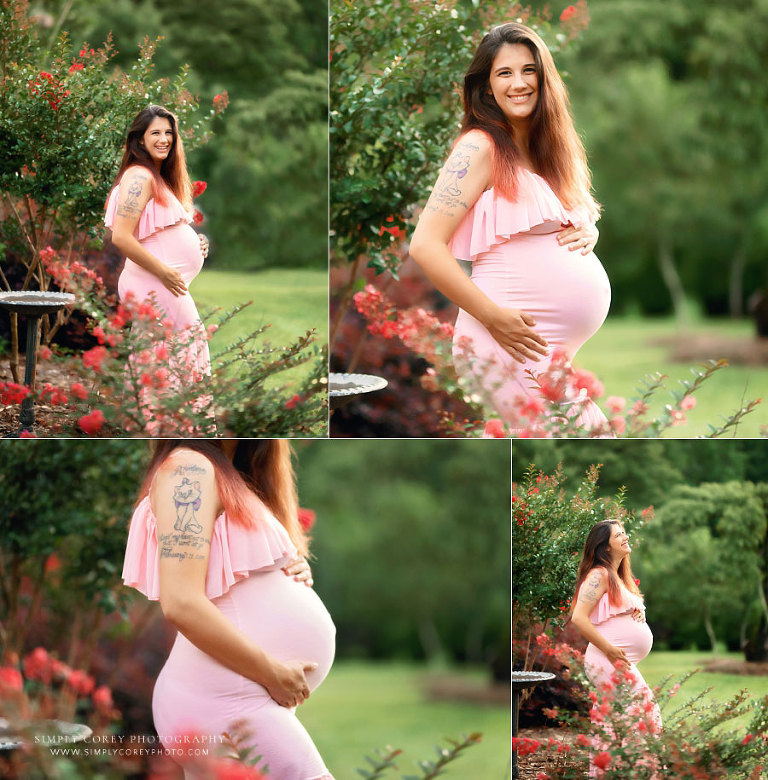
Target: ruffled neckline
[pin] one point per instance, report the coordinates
(604, 610)
(235, 551)
(153, 218)
(494, 218)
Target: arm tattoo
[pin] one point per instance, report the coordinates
(187, 500)
(589, 593)
(446, 196)
(128, 205)
(182, 546)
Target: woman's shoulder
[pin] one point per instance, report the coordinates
(477, 141)
(598, 571)
(135, 172)
(183, 458)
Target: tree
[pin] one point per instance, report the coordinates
(722, 528)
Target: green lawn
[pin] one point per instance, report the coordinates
(291, 301)
(626, 349)
(660, 664)
(364, 706)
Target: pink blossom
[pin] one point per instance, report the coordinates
(688, 403)
(45, 353)
(94, 357)
(306, 518)
(80, 682)
(585, 380)
(78, 391)
(567, 13)
(618, 424)
(615, 403)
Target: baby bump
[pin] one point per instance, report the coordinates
(567, 293)
(633, 637)
(177, 246)
(285, 618)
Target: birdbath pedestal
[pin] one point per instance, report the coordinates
(32, 305)
(343, 387)
(521, 681)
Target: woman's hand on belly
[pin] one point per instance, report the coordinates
(638, 615)
(584, 238)
(617, 655)
(172, 280)
(287, 683)
(513, 330)
(299, 569)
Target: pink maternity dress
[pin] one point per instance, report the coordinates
(196, 694)
(518, 263)
(165, 232)
(634, 637)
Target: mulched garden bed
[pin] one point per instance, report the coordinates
(545, 760)
(47, 417)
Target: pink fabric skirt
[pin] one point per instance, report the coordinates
(567, 293)
(196, 694)
(636, 639)
(178, 246)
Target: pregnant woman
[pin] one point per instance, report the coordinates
(609, 612)
(148, 211)
(514, 199)
(215, 537)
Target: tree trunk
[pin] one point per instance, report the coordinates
(672, 280)
(710, 631)
(430, 639)
(736, 283)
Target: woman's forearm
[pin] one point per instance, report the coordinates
(442, 269)
(203, 625)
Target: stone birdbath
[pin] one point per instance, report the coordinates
(50, 733)
(342, 388)
(521, 681)
(32, 305)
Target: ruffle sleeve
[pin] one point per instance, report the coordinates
(494, 219)
(235, 550)
(154, 217)
(604, 610)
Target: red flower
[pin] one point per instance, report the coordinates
(688, 402)
(198, 188)
(78, 391)
(102, 699)
(80, 682)
(584, 380)
(45, 353)
(583, 740)
(289, 404)
(94, 357)
(306, 518)
(602, 760)
(10, 679)
(75, 66)
(567, 13)
(52, 563)
(495, 429)
(37, 665)
(12, 393)
(393, 230)
(197, 217)
(25, 434)
(747, 739)
(92, 423)
(220, 101)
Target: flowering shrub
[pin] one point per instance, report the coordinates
(48, 690)
(560, 393)
(620, 737)
(145, 379)
(62, 127)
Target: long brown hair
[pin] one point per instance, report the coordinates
(263, 466)
(173, 170)
(555, 148)
(597, 555)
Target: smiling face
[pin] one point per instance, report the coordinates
(514, 82)
(619, 542)
(158, 139)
